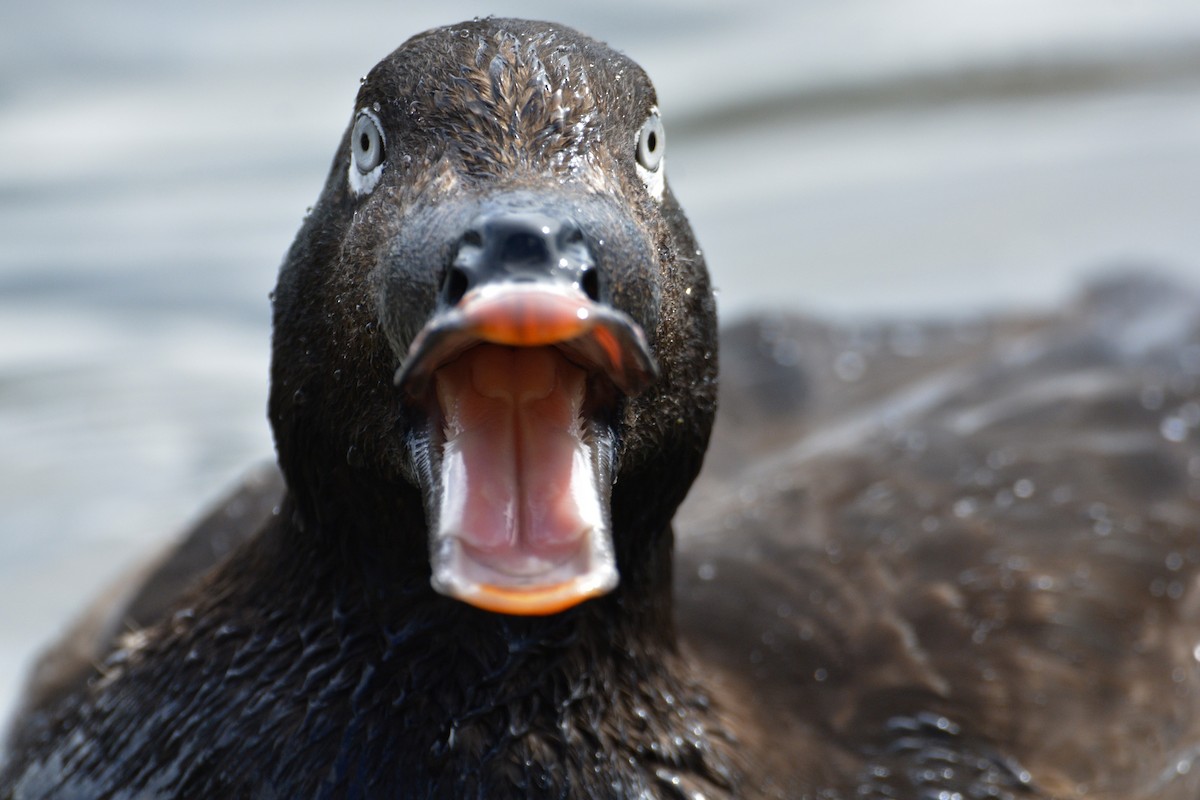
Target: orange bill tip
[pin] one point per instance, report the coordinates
(527, 318)
(532, 602)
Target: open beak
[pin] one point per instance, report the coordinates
(519, 382)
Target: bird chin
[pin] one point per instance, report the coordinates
(540, 588)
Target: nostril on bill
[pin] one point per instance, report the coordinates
(590, 283)
(455, 285)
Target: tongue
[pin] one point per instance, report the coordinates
(519, 493)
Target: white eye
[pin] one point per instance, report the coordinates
(652, 142)
(651, 147)
(366, 143)
(366, 152)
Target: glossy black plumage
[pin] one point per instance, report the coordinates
(932, 560)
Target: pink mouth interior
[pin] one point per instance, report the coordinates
(519, 489)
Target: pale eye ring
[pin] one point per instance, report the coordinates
(651, 143)
(366, 142)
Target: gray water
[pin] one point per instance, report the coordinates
(852, 158)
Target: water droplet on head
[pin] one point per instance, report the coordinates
(668, 777)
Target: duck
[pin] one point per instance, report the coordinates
(934, 560)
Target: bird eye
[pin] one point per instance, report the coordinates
(366, 142)
(366, 152)
(651, 142)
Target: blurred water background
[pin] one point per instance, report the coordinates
(859, 158)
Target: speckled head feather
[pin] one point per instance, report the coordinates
(519, 97)
(521, 111)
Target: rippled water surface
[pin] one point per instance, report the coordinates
(853, 159)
